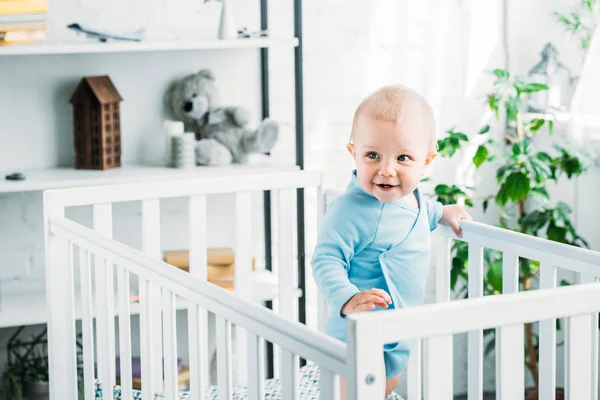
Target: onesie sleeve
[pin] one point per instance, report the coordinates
(434, 212)
(342, 235)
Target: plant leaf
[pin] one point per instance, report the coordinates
(480, 156)
(516, 186)
(485, 205)
(534, 87)
(484, 130)
(501, 73)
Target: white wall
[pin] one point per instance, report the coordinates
(441, 48)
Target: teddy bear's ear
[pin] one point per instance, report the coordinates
(206, 73)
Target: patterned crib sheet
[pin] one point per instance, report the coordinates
(309, 389)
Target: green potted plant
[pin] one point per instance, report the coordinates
(523, 173)
(26, 377)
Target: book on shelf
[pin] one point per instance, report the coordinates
(16, 7)
(19, 36)
(38, 25)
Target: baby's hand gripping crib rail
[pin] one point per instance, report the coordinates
(71, 247)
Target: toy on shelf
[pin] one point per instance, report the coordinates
(96, 124)
(223, 133)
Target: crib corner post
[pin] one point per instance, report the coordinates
(62, 357)
(366, 370)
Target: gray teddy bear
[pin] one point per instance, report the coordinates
(222, 133)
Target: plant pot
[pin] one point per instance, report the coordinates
(532, 394)
(37, 391)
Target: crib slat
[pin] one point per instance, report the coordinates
(330, 385)
(438, 350)
(124, 332)
(286, 270)
(255, 368)
(198, 317)
(289, 375)
(322, 304)
(169, 326)
(593, 346)
(224, 376)
(148, 359)
(105, 361)
(510, 380)
(243, 274)
(61, 307)
(547, 363)
(102, 220)
(87, 323)
(415, 383)
(151, 246)
(475, 346)
(580, 358)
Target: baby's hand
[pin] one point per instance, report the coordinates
(451, 216)
(366, 300)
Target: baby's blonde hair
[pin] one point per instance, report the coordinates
(393, 103)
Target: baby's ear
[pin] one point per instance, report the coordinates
(430, 157)
(350, 148)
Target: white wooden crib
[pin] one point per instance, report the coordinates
(89, 277)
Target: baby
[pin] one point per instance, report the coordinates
(373, 248)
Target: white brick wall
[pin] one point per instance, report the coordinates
(439, 47)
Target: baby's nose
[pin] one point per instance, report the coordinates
(387, 169)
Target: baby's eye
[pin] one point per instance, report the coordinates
(372, 155)
(403, 157)
(194, 95)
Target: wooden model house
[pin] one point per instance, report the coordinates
(96, 123)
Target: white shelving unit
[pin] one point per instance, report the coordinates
(28, 305)
(53, 178)
(89, 47)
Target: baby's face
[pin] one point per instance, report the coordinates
(390, 157)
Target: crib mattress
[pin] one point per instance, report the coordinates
(309, 389)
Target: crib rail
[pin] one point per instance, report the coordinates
(507, 313)
(260, 322)
(510, 359)
(156, 337)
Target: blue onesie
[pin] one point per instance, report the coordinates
(364, 244)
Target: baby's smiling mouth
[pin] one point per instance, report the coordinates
(385, 186)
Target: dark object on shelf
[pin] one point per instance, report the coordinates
(96, 124)
(244, 33)
(17, 176)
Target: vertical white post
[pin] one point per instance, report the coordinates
(414, 374)
(583, 279)
(243, 276)
(147, 358)
(286, 272)
(329, 385)
(580, 357)
(124, 332)
(105, 294)
(60, 295)
(438, 350)
(366, 378)
(151, 246)
(87, 323)
(322, 305)
(547, 364)
(475, 346)
(255, 368)
(289, 375)
(198, 317)
(224, 378)
(510, 382)
(169, 327)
